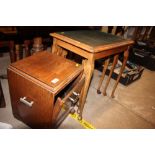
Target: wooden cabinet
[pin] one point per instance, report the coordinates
(35, 84)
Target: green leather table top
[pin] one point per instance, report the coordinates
(92, 37)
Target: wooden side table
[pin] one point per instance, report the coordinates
(91, 45)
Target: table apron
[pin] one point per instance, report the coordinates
(106, 53)
(74, 49)
(86, 54)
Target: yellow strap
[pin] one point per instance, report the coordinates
(83, 122)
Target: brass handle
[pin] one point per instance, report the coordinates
(23, 100)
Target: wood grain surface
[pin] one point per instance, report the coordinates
(31, 78)
(46, 67)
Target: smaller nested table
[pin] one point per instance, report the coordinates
(91, 45)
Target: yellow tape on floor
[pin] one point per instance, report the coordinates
(83, 122)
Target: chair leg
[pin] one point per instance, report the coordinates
(103, 75)
(2, 100)
(126, 54)
(18, 52)
(12, 51)
(27, 50)
(111, 71)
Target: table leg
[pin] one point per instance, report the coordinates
(126, 54)
(103, 75)
(88, 71)
(111, 71)
(54, 47)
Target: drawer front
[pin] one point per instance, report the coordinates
(31, 103)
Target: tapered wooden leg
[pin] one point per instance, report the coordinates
(103, 75)
(126, 54)
(54, 46)
(88, 71)
(111, 71)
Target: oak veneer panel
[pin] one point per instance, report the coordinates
(40, 114)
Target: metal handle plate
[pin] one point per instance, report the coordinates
(23, 100)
